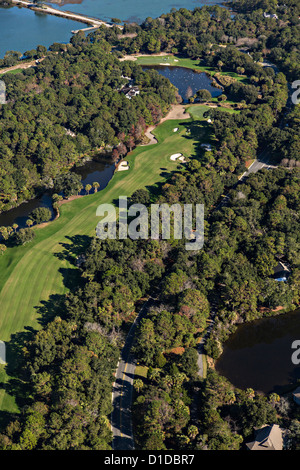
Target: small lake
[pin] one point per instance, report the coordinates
(258, 354)
(100, 171)
(186, 80)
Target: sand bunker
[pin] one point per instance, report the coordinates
(123, 166)
(178, 156)
(175, 156)
(175, 129)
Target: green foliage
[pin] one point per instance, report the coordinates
(40, 214)
(23, 236)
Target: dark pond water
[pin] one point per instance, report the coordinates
(100, 171)
(258, 355)
(186, 80)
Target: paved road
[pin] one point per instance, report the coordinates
(121, 423)
(123, 386)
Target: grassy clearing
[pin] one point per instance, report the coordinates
(32, 276)
(14, 71)
(197, 111)
(194, 64)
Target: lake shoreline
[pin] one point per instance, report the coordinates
(94, 22)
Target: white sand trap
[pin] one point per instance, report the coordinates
(164, 63)
(175, 156)
(182, 159)
(175, 129)
(208, 120)
(123, 166)
(175, 60)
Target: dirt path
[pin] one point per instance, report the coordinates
(135, 56)
(177, 111)
(32, 63)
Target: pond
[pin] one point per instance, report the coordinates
(186, 80)
(100, 171)
(259, 354)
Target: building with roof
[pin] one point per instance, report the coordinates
(281, 272)
(268, 437)
(296, 396)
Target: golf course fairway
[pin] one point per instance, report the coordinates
(31, 274)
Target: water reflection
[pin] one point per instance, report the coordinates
(93, 171)
(186, 80)
(258, 354)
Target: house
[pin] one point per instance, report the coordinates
(130, 91)
(268, 437)
(270, 15)
(296, 396)
(281, 272)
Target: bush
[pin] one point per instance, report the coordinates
(41, 214)
(24, 235)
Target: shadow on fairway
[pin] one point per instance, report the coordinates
(49, 309)
(77, 246)
(16, 385)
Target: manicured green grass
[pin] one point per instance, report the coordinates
(197, 110)
(14, 72)
(172, 60)
(31, 275)
(194, 64)
(141, 372)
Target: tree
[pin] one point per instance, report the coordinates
(24, 235)
(88, 187)
(203, 95)
(4, 232)
(69, 184)
(29, 222)
(40, 214)
(140, 196)
(96, 186)
(195, 306)
(3, 249)
(138, 384)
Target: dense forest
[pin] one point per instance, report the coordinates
(68, 108)
(68, 365)
(199, 34)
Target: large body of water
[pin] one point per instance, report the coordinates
(128, 10)
(22, 29)
(259, 354)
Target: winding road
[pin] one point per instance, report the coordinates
(121, 422)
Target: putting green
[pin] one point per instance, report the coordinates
(30, 274)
